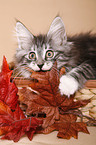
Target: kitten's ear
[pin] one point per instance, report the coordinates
(57, 31)
(24, 36)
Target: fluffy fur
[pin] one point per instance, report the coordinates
(76, 53)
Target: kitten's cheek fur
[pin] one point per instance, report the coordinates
(34, 67)
(47, 66)
(68, 85)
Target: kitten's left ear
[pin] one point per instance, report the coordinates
(57, 31)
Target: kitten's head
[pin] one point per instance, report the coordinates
(39, 52)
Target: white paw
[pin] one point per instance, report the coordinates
(68, 85)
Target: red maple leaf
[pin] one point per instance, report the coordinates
(8, 90)
(48, 100)
(13, 123)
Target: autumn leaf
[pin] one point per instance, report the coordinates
(8, 90)
(68, 127)
(47, 99)
(13, 123)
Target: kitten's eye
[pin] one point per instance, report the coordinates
(32, 55)
(49, 54)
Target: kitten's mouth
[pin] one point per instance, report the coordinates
(42, 70)
(31, 70)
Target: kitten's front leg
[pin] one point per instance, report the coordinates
(68, 85)
(75, 79)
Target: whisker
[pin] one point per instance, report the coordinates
(15, 71)
(56, 70)
(16, 75)
(27, 68)
(17, 68)
(19, 73)
(20, 78)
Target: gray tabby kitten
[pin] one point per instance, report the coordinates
(77, 54)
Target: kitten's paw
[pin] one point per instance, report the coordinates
(68, 85)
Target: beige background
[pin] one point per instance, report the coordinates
(37, 15)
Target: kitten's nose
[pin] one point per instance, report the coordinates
(40, 65)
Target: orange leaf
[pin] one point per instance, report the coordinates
(47, 99)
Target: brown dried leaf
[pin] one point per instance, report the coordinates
(49, 101)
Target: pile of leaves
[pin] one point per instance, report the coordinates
(57, 112)
(13, 123)
(40, 108)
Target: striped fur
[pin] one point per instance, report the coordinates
(76, 53)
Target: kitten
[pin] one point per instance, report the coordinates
(77, 54)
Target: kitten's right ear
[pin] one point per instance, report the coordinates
(24, 36)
